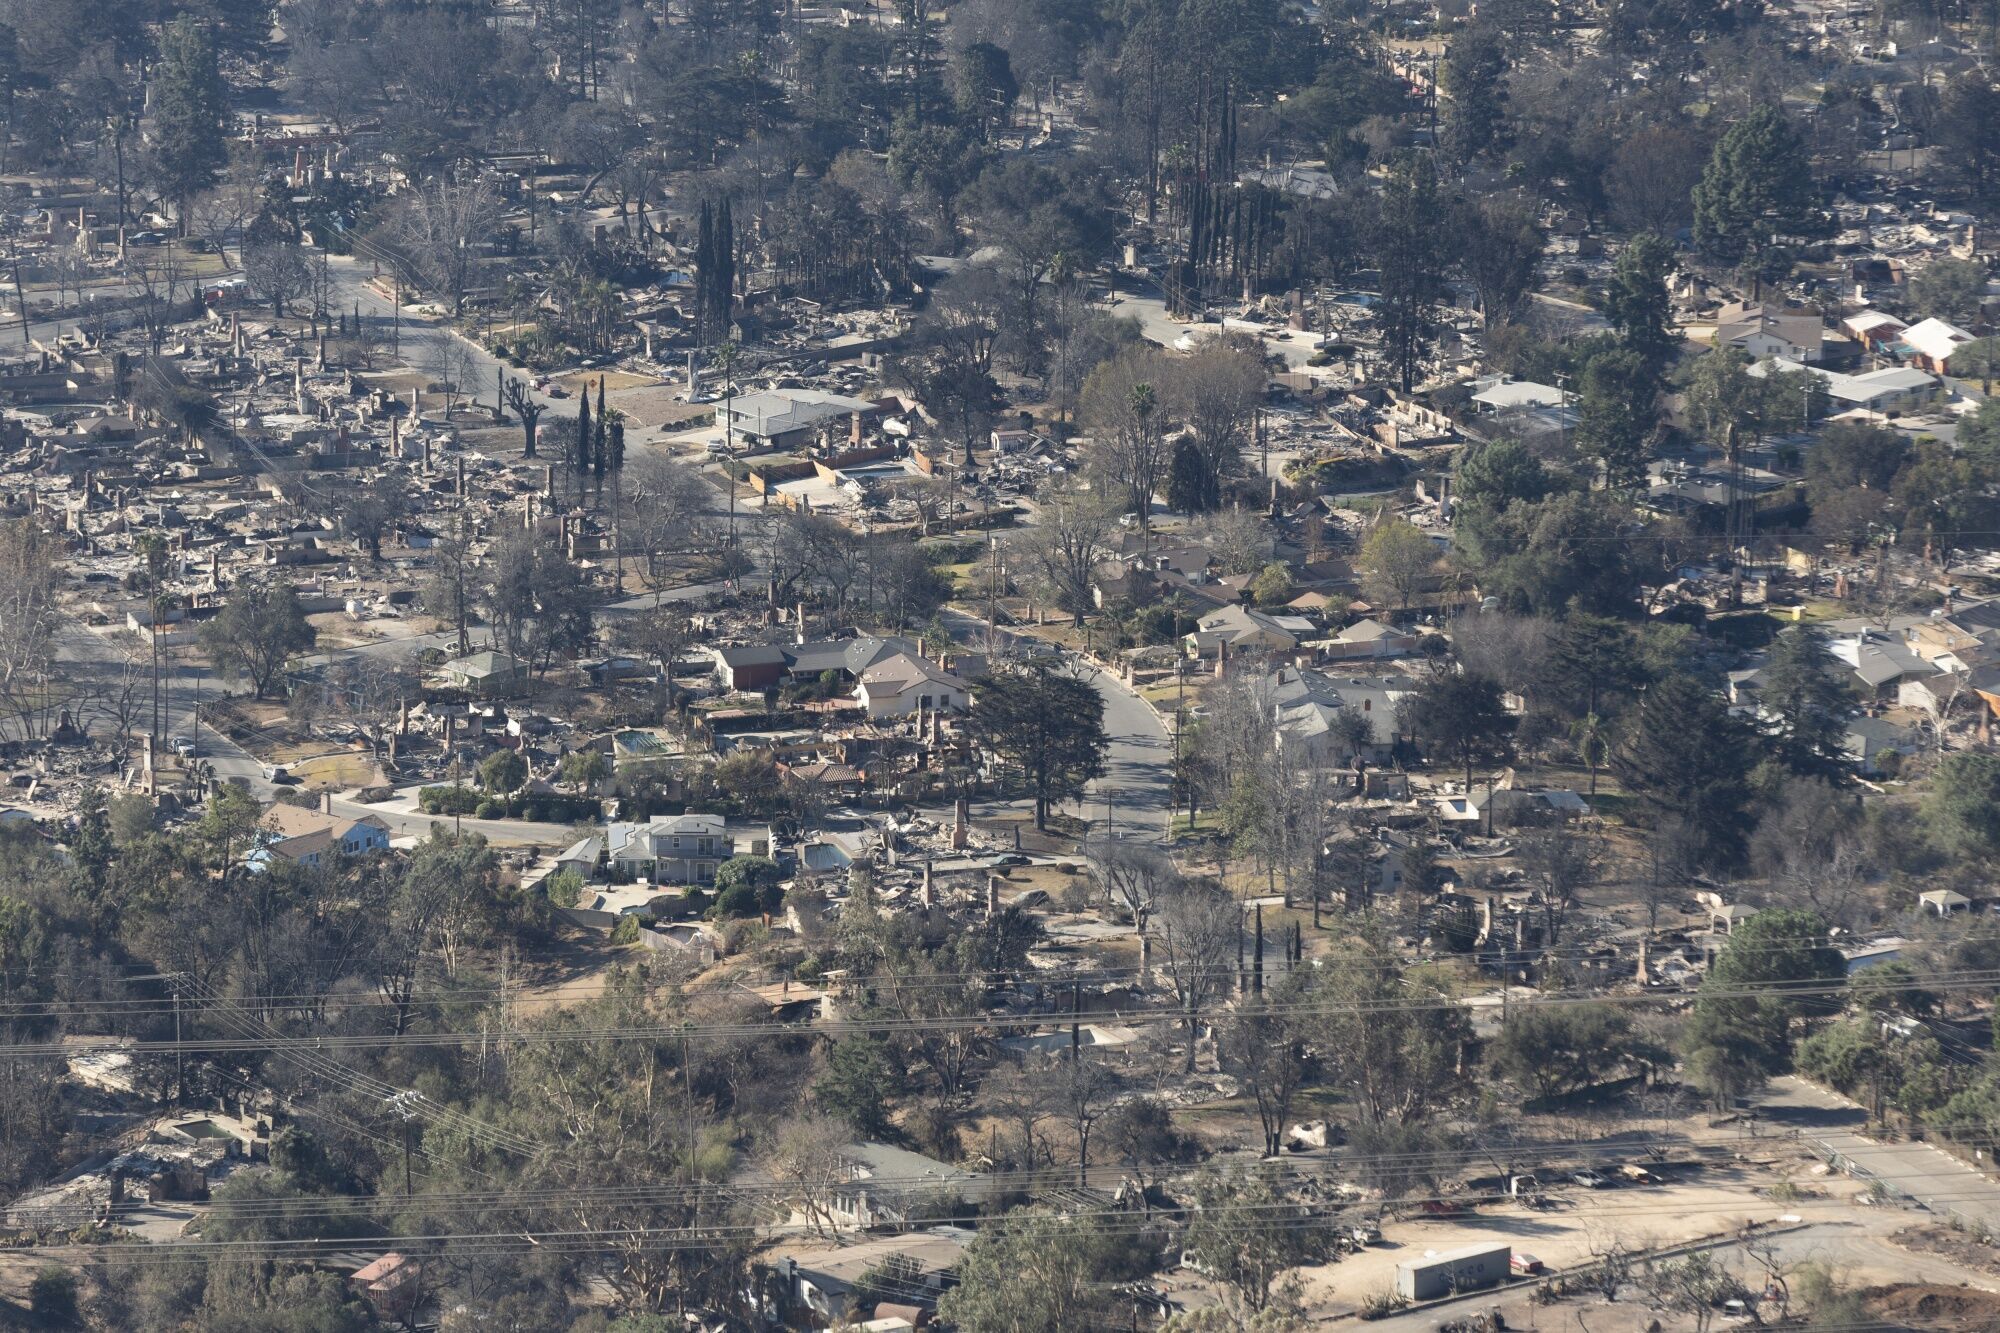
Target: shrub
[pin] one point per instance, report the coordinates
(52, 1295)
(453, 800)
(503, 771)
(489, 809)
(1272, 586)
(741, 900)
(626, 931)
(583, 768)
(758, 872)
(565, 888)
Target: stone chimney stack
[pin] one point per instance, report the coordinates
(961, 817)
(992, 896)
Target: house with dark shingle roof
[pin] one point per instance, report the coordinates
(760, 666)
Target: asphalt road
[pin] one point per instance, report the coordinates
(1918, 1170)
(1135, 795)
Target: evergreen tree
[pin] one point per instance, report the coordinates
(1688, 761)
(1636, 300)
(190, 113)
(725, 262)
(1048, 726)
(90, 845)
(1475, 70)
(1590, 662)
(1962, 810)
(1191, 486)
(1758, 190)
(1409, 252)
(582, 456)
(1803, 706)
(1777, 967)
(704, 272)
(1617, 416)
(597, 460)
(1461, 716)
(1968, 133)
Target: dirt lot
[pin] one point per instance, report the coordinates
(1942, 1309)
(1561, 1237)
(1955, 1246)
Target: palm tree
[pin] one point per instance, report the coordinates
(1591, 735)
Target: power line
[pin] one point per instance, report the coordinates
(1975, 980)
(511, 995)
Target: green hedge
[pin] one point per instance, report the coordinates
(448, 800)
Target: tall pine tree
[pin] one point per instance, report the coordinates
(1688, 761)
(1802, 705)
(190, 113)
(704, 272)
(603, 435)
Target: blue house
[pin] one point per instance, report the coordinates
(307, 837)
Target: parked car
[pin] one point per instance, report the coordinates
(1590, 1180)
(1525, 1263)
(184, 747)
(1362, 1233)
(1638, 1175)
(1444, 1208)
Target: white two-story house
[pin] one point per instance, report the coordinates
(681, 849)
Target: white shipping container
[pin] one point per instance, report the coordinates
(1452, 1271)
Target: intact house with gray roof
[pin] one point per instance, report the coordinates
(1320, 716)
(681, 849)
(788, 418)
(760, 666)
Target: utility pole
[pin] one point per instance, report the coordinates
(403, 1103)
(19, 298)
(180, 1054)
(993, 577)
